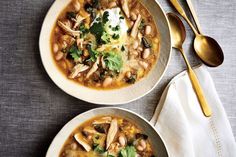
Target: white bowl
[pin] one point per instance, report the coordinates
(156, 142)
(114, 96)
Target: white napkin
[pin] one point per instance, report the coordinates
(184, 129)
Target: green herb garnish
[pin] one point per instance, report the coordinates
(83, 29)
(142, 24)
(115, 36)
(128, 151)
(75, 52)
(105, 17)
(113, 61)
(105, 38)
(93, 53)
(70, 15)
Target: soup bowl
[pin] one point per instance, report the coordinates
(155, 140)
(113, 96)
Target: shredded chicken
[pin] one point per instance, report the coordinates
(111, 132)
(125, 7)
(134, 31)
(79, 138)
(68, 30)
(77, 69)
(94, 68)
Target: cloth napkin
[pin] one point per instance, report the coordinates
(184, 129)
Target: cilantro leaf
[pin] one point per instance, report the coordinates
(97, 30)
(83, 29)
(128, 151)
(75, 52)
(93, 53)
(105, 38)
(113, 61)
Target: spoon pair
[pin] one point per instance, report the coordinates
(178, 35)
(207, 49)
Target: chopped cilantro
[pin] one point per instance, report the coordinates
(105, 17)
(116, 28)
(142, 24)
(128, 151)
(93, 53)
(83, 29)
(113, 61)
(97, 29)
(115, 36)
(75, 52)
(131, 80)
(70, 15)
(122, 48)
(105, 38)
(122, 17)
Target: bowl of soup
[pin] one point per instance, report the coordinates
(107, 132)
(105, 51)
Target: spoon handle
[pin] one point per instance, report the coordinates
(181, 11)
(198, 90)
(195, 18)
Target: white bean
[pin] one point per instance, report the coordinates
(135, 44)
(107, 82)
(148, 30)
(55, 47)
(140, 48)
(133, 16)
(74, 146)
(143, 64)
(122, 141)
(140, 148)
(142, 143)
(146, 53)
(59, 55)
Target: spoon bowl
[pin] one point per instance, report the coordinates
(208, 50)
(178, 35)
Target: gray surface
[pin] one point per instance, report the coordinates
(33, 109)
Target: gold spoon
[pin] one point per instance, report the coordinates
(194, 15)
(178, 35)
(207, 48)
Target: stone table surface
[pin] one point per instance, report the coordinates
(33, 109)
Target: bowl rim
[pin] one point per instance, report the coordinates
(102, 102)
(60, 133)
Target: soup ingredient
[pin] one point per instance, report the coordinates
(128, 151)
(122, 140)
(111, 132)
(77, 69)
(107, 82)
(134, 31)
(68, 30)
(148, 30)
(113, 61)
(78, 137)
(125, 7)
(103, 120)
(94, 68)
(146, 53)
